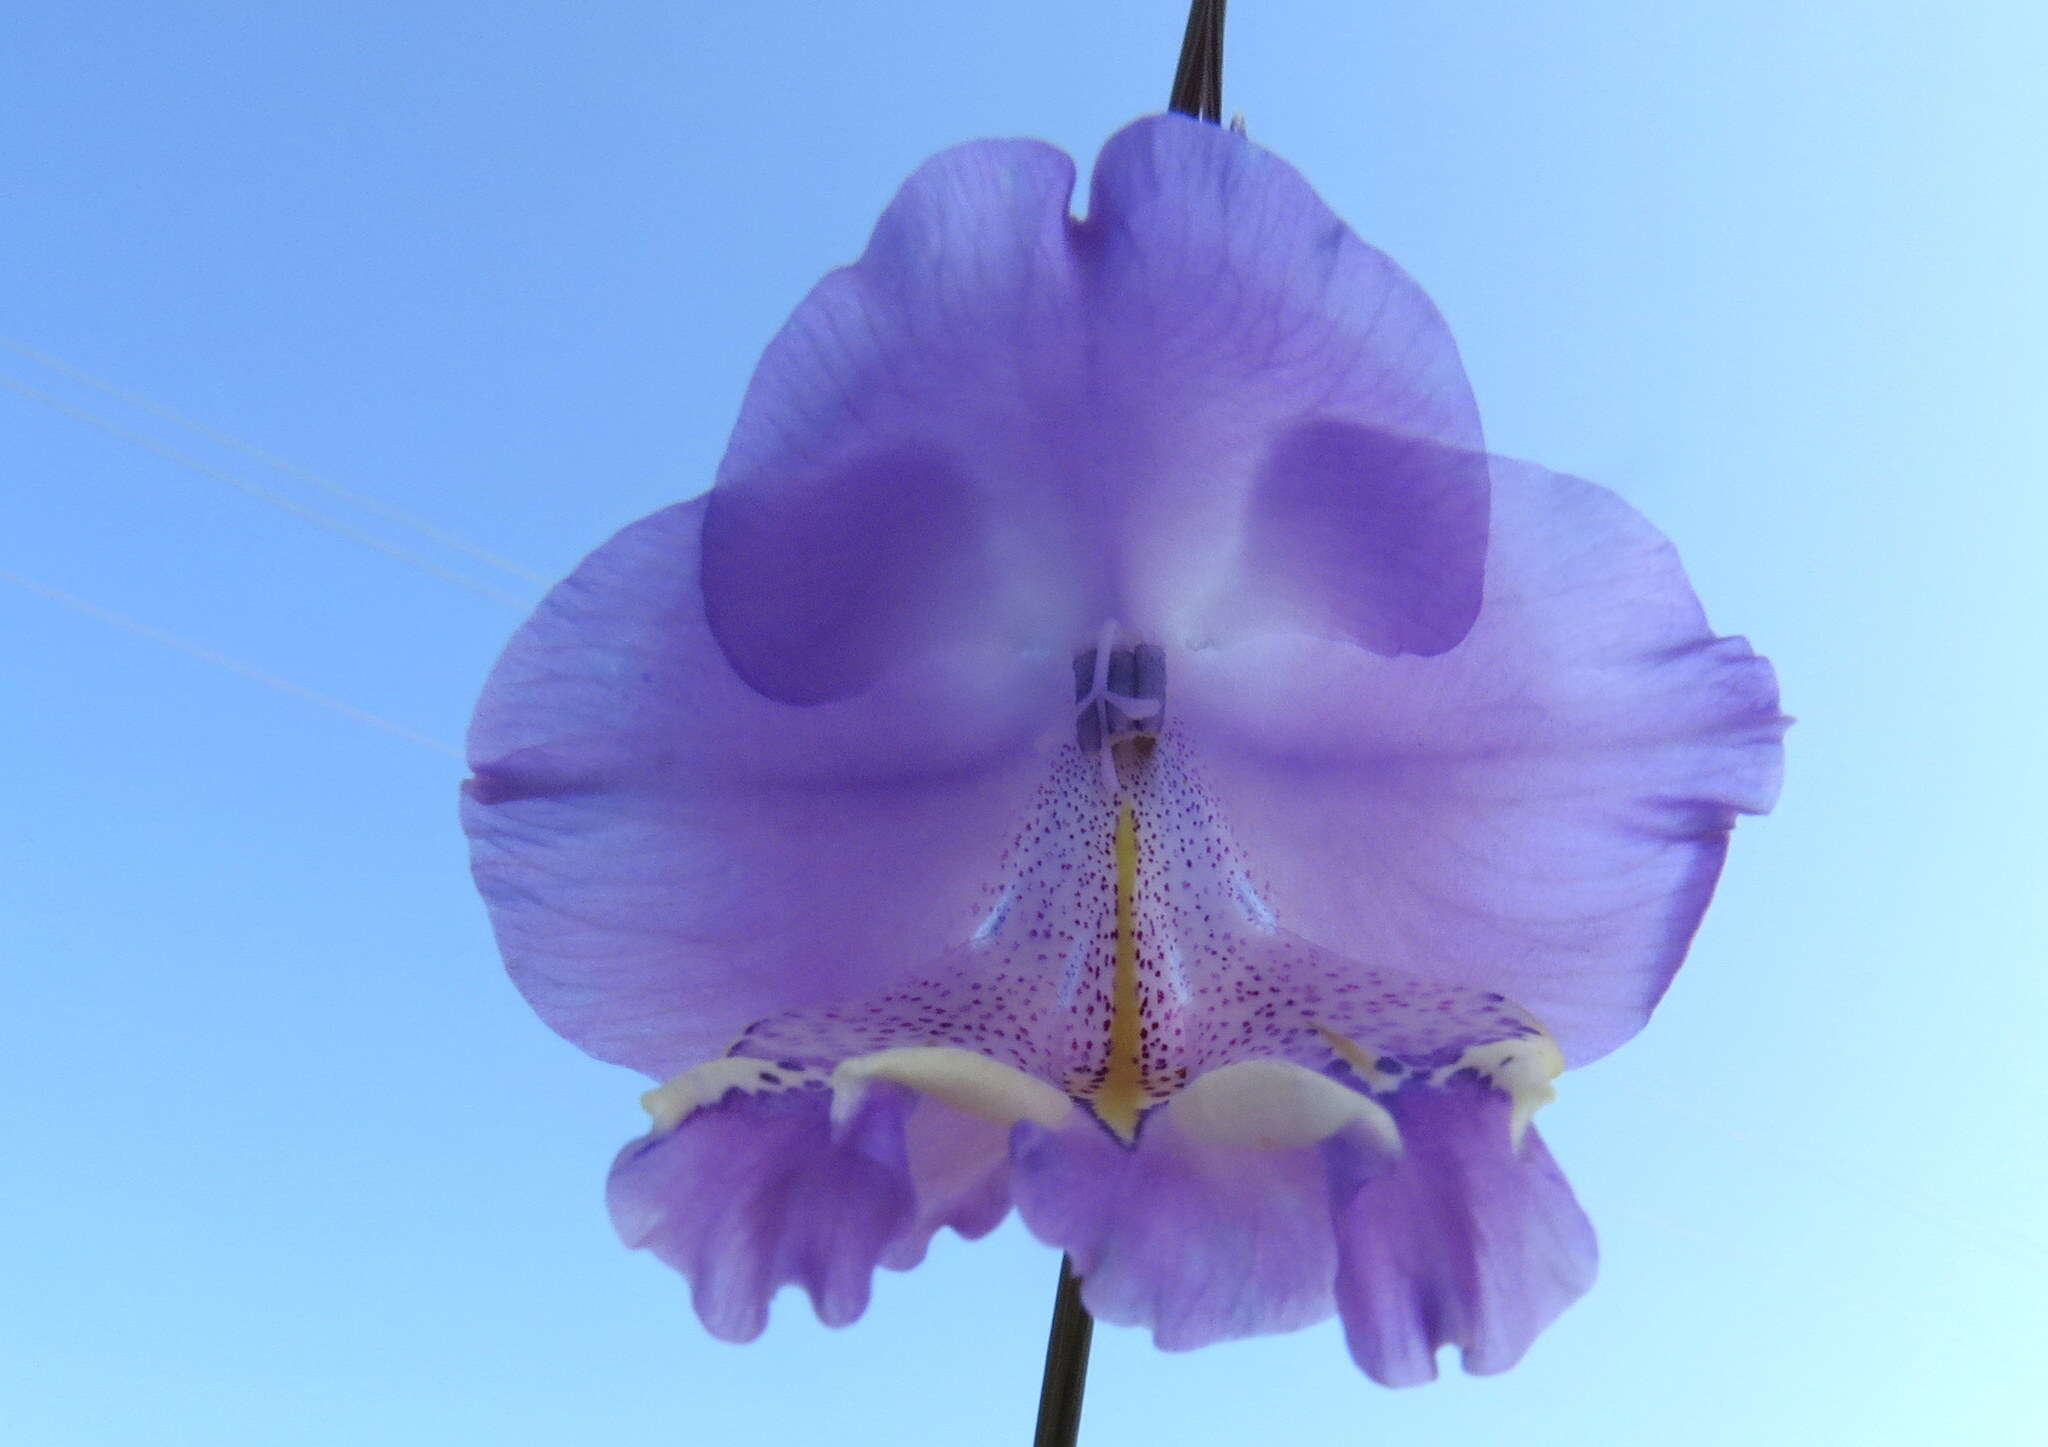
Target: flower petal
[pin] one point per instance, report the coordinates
(1541, 811)
(1199, 1241)
(1276, 385)
(1356, 533)
(866, 506)
(760, 1173)
(1233, 285)
(959, 1168)
(753, 1192)
(817, 585)
(669, 856)
(1468, 1240)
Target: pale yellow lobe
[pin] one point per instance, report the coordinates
(1523, 1068)
(967, 1082)
(1275, 1105)
(959, 1078)
(1121, 1096)
(701, 1085)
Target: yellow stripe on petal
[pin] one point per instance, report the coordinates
(1122, 1095)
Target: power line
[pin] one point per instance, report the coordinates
(266, 495)
(232, 665)
(285, 465)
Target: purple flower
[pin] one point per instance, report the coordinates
(1113, 744)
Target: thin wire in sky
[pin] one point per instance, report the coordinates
(266, 495)
(333, 489)
(232, 665)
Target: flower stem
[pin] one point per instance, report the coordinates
(1198, 80)
(1066, 1364)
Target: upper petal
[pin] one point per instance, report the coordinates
(1283, 392)
(890, 483)
(1208, 407)
(1238, 292)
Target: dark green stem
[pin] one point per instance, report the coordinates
(1066, 1364)
(1198, 81)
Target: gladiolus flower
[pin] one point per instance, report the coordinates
(1113, 744)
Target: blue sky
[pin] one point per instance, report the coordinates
(288, 1161)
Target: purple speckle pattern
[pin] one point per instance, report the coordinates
(1254, 991)
(1218, 980)
(1032, 988)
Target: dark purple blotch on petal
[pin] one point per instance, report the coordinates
(1370, 535)
(815, 585)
